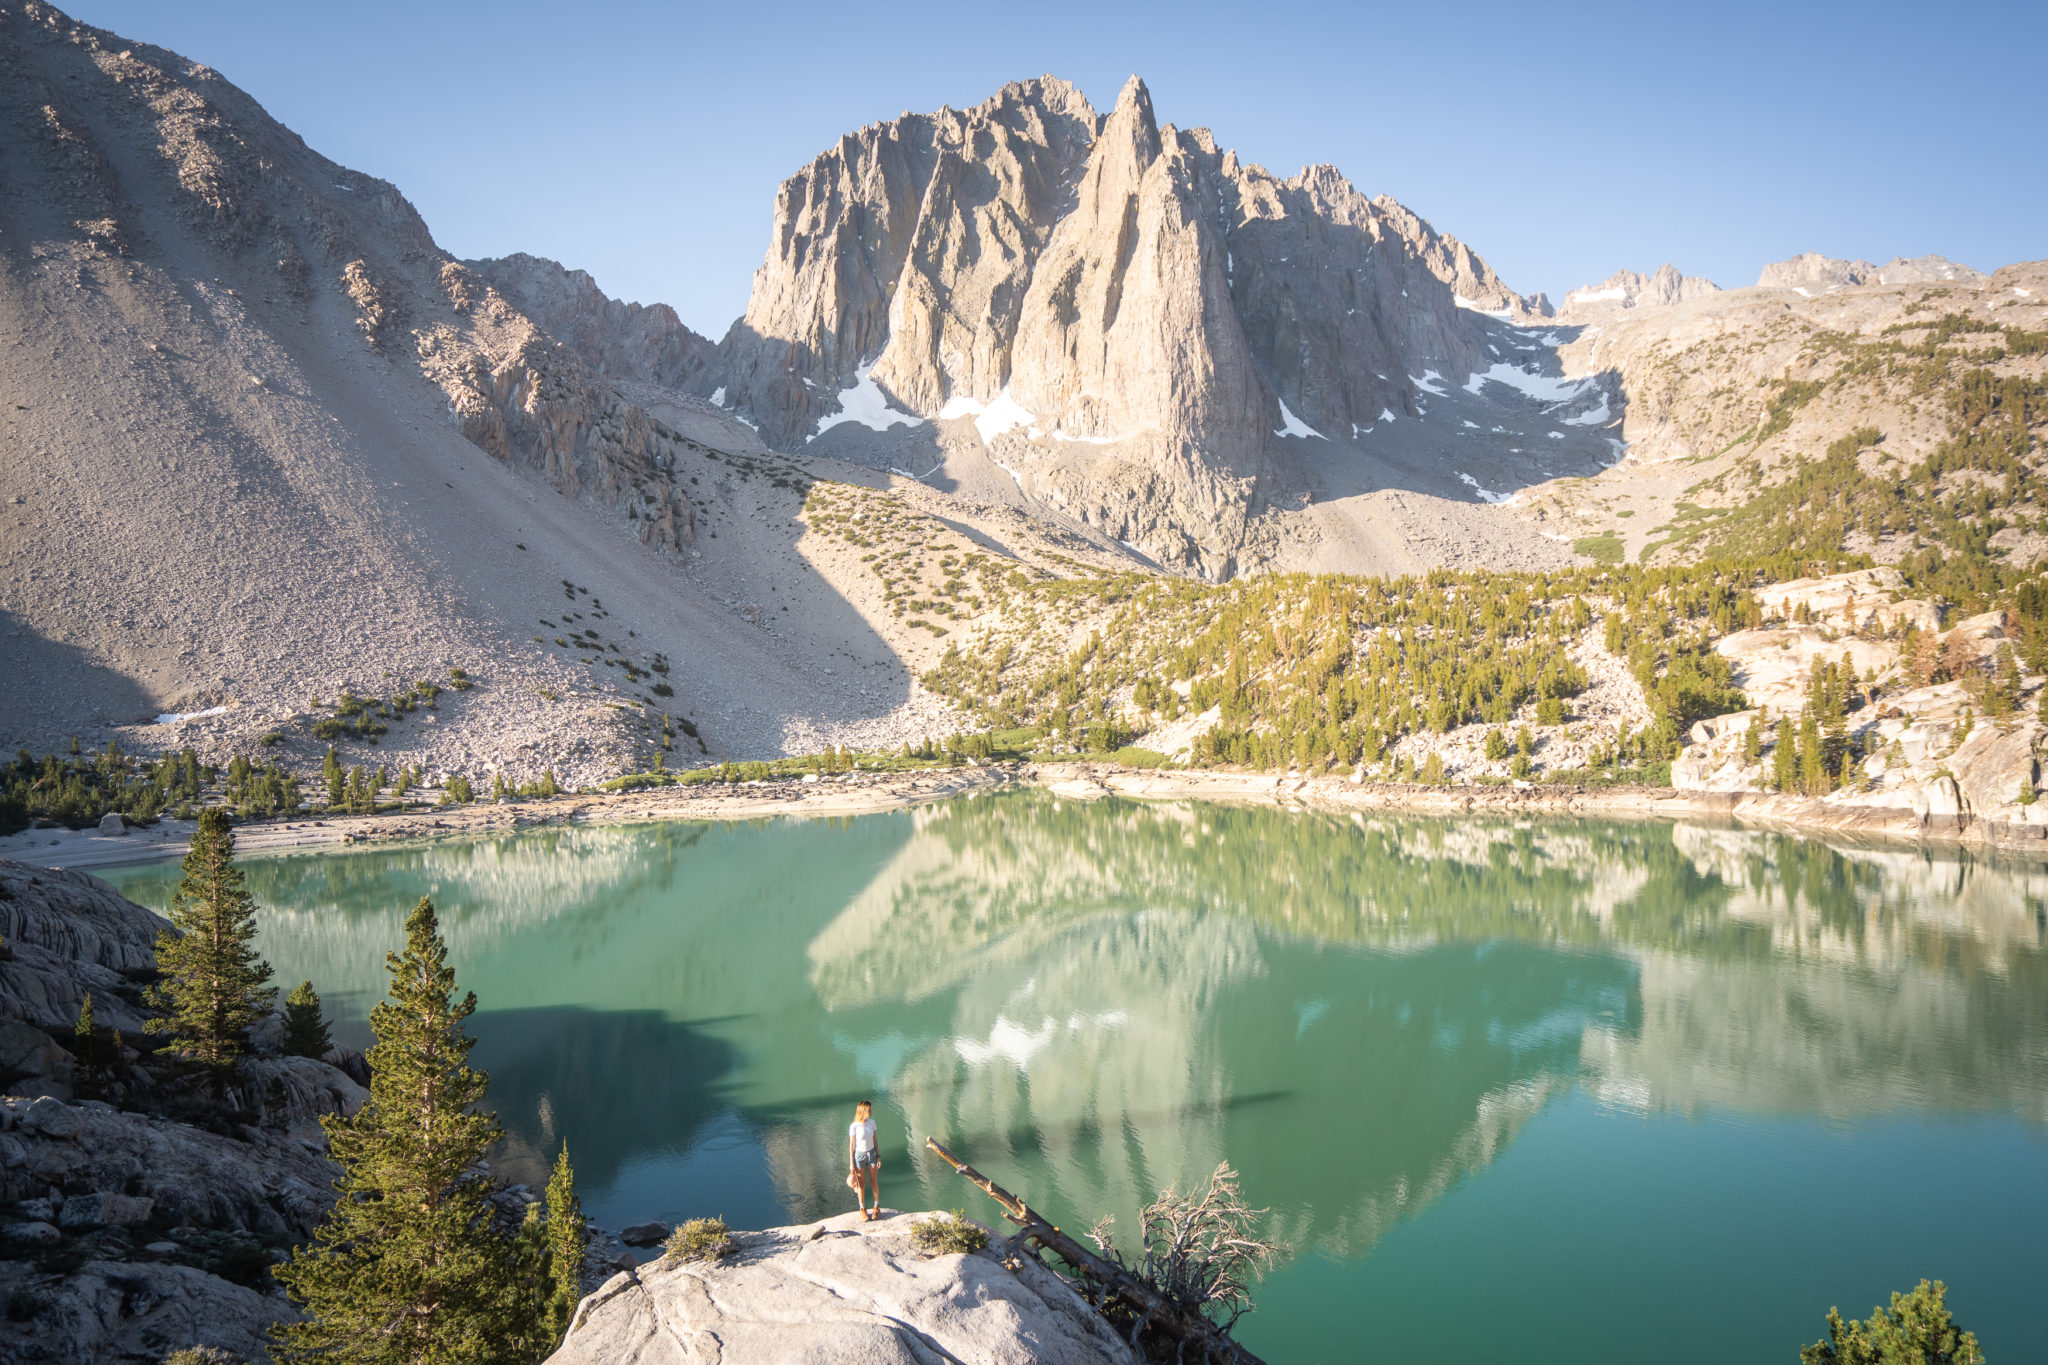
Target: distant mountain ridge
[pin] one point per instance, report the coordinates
(1813, 271)
(1627, 289)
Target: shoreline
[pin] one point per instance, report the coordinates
(862, 794)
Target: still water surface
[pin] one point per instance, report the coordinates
(1568, 1091)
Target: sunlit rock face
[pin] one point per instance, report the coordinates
(1135, 321)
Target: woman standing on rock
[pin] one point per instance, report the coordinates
(864, 1159)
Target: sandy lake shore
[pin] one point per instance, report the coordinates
(862, 794)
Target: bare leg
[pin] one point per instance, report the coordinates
(875, 1175)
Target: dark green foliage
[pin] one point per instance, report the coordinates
(213, 988)
(457, 791)
(305, 1032)
(407, 1267)
(261, 789)
(78, 791)
(567, 1233)
(90, 1051)
(1915, 1330)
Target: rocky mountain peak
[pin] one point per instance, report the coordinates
(1136, 320)
(1626, 289)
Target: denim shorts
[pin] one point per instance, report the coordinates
(866, 1161)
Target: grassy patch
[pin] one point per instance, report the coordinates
(948, 1234)
(633, 782)
(1605, 548)
(700, 1239)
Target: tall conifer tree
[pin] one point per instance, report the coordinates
(407, 1269)
(213, 987)
(86, 1049)
(566, 1233)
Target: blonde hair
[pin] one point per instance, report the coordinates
(865, 1109)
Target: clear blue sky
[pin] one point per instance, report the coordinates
(644, 142)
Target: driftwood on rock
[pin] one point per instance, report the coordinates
(1156, 1310)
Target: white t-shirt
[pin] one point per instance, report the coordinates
(862, 1131)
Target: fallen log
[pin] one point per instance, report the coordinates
(1154, 1308)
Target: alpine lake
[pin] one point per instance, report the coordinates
(1543, 1091)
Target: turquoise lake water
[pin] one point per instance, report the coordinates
(1544, 1092)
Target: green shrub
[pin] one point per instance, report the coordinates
(1915, 1330)
(948, 1234)
(700, 1239)
(633, 782)
(1550, 711)
(1605, 548)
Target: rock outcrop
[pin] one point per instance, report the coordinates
(1135, 320)
(1927, 755)
(69, 934)
(1815, 273)
(124, 1235)
(1626, 289)
(841, 1290)
(616, 339)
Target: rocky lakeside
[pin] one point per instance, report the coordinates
(133, 1228)
(1943, 813)
(842, 1289)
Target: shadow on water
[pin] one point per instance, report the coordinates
(612, 1084)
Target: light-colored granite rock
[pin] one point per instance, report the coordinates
(842, 1291)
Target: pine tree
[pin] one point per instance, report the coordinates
(566, 1233)
(88, 1049)
(305, 1032)
(407, 1269)
(331, 770)
(212, 987)
(1784, 757)
(1813, 769)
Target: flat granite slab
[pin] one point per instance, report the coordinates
(842, 1291)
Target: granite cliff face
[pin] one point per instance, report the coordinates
(1135, 320)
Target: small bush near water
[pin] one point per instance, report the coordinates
(700, 1239)
(948, 1234)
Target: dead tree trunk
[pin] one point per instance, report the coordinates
(1154, 1308)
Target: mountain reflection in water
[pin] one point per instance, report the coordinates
(1094, 1000)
